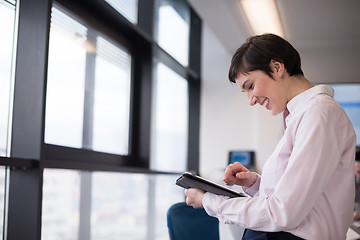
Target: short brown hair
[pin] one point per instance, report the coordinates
(257, 52)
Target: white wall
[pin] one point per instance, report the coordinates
(227, 122)
(334, 64)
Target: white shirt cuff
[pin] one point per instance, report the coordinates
(251, 191)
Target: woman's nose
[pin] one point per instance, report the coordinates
(252, 99)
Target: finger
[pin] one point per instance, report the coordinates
(229, 180)
(243, 175)
(229, 176)
(234, 168)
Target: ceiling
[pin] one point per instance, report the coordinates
(325, 32)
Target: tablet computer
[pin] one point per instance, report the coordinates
(190, 180)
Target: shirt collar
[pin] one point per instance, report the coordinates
(307, 95)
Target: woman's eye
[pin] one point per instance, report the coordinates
(251, 86)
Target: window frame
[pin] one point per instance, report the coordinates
(143, 49)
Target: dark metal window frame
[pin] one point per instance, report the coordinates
(29, 154)
(143, 49)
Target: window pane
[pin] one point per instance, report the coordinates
(166, 194)
(66, 81)
(119, 206)
(173, 28)
(60, 206)
(347, 95)
(88, 91)
(2, 199)
(127, 8)
(170, 121)
(7, 19)
(132, 206)
(124, 206)
(112, 95)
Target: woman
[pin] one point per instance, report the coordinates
(306, 190)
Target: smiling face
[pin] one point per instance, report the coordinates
(262, 89)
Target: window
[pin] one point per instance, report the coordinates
(166, 194)
(132, 206)
(7, 29)
(119, 206)
(90, 115)
(60, 209)
(172, 28)
(112, 98)
(347, 95)
(170, 121)
(88, 94)
(66, 81)
(7, 24)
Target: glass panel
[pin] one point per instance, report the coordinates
(119, 206)
(127, 8)
(112, 98)
(66, 81)
(60, 205)
(173, 28)
(132, 206)
(347, 95)
(7, 23)
(88, 94)
(166, 194)
(2, 198)
(170, 121)
(123, 205)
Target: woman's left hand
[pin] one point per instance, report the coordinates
(194, 197)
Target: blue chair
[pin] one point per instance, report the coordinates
(187, 223)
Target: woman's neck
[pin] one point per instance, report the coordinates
(297, 85)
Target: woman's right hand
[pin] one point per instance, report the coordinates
(237, 174)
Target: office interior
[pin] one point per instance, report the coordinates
(104, 103)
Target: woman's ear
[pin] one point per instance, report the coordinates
(278, 68)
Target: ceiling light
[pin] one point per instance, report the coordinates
(263, 16)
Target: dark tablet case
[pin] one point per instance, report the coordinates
(190, 180)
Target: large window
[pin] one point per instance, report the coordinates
(88, 107)
(99, 114)
(88, 94)
(7, 23)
